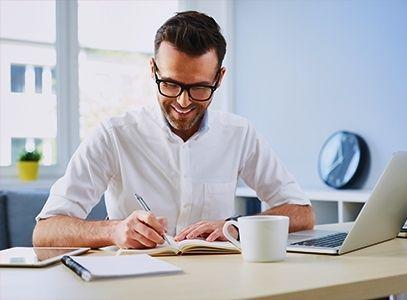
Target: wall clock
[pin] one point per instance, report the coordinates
(342, 159)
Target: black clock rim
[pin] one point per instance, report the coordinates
(362, 149)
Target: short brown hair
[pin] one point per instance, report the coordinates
(193, 33)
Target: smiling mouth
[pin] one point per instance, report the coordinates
(182, 112)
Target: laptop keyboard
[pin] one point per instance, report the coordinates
(330, 241)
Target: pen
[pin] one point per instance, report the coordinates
(144, 205)
(79, 270)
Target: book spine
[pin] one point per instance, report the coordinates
(77, 268)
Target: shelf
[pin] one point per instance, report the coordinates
(360, 196)
(330, 206)
(245, 192)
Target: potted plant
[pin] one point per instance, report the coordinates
(28, 163)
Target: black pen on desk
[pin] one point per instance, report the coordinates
(144, 205)
(79, 270)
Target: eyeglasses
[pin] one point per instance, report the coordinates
(173, 89)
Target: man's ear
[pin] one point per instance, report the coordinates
(222, 73)
(151, 67)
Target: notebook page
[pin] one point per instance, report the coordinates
(113, 266)
(202, 244)
(164, 249)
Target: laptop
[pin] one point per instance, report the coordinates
(380, 219)
(403, 231)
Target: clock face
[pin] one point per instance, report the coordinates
(339, 159)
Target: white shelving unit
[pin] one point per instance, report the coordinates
(331, 206)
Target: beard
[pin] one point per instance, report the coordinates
(182, 124)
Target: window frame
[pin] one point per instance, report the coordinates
(66, 47)
(67, 88)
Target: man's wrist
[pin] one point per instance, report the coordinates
(112, 227)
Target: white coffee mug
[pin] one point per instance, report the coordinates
(262, 238)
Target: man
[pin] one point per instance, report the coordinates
(183, 159)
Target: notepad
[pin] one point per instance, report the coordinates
(95, 267)
(195, 246)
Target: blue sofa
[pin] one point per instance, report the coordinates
(18, 209)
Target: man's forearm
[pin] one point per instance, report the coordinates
(302, 217)
(65, 231)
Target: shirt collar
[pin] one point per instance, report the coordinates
(204, 127)
(158, 116)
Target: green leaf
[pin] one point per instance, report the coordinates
(30, 156)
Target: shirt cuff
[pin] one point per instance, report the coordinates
(59, 205)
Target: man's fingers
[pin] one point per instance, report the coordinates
(180, 236)
(139, 230)
(214, 236)
(136, 240)
(188, 229)
(148, 233)
(204, 228)
(144, 241)
(164, 223)
(149, 219)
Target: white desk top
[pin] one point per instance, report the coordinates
(368, 273)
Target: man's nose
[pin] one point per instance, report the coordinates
(183, 99)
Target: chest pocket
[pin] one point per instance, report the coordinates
(219, 200)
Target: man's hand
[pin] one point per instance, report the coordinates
(140, 230)
(209, 230)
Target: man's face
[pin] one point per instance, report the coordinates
(182, 113)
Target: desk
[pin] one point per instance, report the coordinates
(371, 272)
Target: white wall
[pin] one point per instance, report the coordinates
(305, 69)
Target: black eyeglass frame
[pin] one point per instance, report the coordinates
(186, 87)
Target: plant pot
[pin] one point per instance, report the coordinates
(27, 170)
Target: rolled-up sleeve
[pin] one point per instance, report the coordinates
(264, 172)
(87, 176)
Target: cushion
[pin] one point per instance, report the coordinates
(99, 211)
(3, 222)
(22, 208)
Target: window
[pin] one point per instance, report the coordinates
(17, 78)
(113, 59)
(112, 66)
(28, 107)
(67, 65)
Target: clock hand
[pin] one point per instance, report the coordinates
(333, 166)
(336, 163)
(341, 151)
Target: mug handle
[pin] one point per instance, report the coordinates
(228, 235)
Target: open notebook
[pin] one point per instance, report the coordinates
(185, 247)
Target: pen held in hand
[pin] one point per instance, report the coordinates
(144, 205)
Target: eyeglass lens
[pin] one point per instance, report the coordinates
(171, 89)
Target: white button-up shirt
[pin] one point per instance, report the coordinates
(185, 182)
